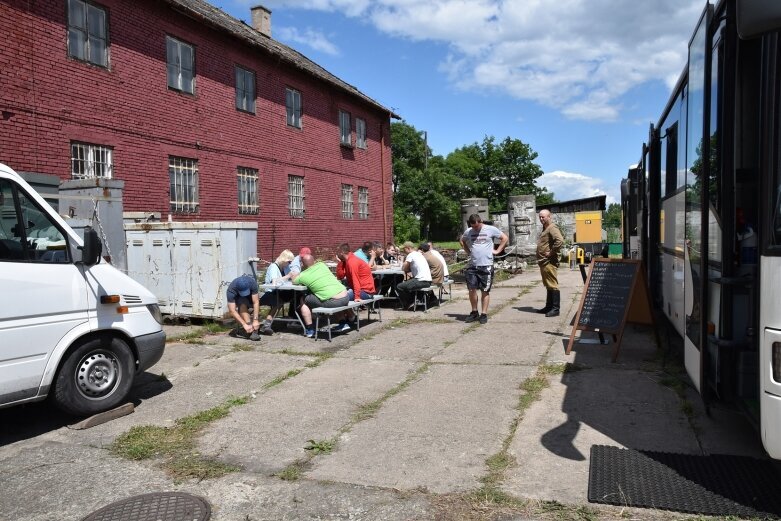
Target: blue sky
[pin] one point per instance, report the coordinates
(577, 80)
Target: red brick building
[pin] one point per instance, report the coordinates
(202, 116)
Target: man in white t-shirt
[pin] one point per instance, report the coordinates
(420, 274)
(478, 243)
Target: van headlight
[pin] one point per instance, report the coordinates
(154, 309)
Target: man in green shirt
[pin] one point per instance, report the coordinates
(325, 290)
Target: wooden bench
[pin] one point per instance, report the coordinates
(371, 307)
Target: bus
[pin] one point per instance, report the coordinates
(702, 208)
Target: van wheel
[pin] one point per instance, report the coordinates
(95, 377)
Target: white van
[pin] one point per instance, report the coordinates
(71, 325)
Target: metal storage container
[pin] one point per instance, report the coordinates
(188, 265)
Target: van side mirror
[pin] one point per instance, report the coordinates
(90, 252)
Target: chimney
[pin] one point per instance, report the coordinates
(261, 20)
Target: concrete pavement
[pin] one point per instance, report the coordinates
(410, 409)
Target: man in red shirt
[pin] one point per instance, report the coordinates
(357, 272)
(360, 280)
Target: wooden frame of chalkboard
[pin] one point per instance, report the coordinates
(615, 293)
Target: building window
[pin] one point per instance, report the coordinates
(293, 104)
(245, 90)
(183, 174)
(295, 187)
(360, 133)
(248, 190)
(344, 128)
(87, 32)
(363, 202)
(347, 201)
(181, 65)
(90, 161)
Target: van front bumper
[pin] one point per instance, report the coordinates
(150, 349)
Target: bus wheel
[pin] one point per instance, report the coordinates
(96, 376)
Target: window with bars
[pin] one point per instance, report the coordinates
(183, 175)
(87, 32)
(180, 58)
(363, 202)
(91, 161)
(293, 105)
(344, 128)
(245, 90)
(347, 201)
(248, 190)
(295, 187)
(360, 133)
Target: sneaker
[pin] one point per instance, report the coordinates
(266, 331)
(342, 327)
(309, 333)
(255, 336)
(483, 318)
(233, 333)
(472, 317)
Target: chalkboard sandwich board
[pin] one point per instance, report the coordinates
(615, 294)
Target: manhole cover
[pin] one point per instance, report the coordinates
(158, 506)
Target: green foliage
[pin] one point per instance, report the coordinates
(428, 189)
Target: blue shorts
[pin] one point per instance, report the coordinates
(479, 277)
(364, 295)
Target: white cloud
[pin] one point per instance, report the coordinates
(576, 56)
(568, 185)
(309, 37)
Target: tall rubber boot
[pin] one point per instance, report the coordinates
(554, 311)
(548, 302)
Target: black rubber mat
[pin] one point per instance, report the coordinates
(713, 485)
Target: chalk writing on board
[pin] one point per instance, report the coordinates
(607, 295)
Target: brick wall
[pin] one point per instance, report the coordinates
(48, 100)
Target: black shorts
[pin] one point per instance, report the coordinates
(479, 277)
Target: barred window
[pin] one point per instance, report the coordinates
(360, 133)
(248, 190)
(293, 107)
(181, 65)
(183, 174)
(87, 32)
(90, 161)
(344, 128)
(295, 186)
(347, 201)
(363, 202)
(245, 90)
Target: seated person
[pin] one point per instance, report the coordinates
(420, 274)
(295, 265)
(357, 273)
(435, 253)
(326, 290)
(377, 256)
(437, 273)
(242, 301)
(391, 252)
(277, 273)
(364, 252)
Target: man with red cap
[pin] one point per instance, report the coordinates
(295, 265)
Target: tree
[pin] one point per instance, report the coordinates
(612, 216)
(505, 169)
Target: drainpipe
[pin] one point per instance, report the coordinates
(382, 175)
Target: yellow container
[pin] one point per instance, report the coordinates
(588, 226)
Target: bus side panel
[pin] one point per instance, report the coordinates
(770, 318)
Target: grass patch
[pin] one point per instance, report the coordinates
(187, 337)
(569, 513)
(493, 495)
(177, 444)
(291, 472)
(196, 341)
(320, 447)
(216, 327)
(319, 359)
(238, 347)
(279, 379)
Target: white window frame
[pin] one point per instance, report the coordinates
(363, 202)
(360, 133)
(347, 201)
(90, 161)
(181, 67)
(245, 90)
(296, 197)
(345, 129)
(183, 179)
(247, 190)
(293, 111)
(88, 36)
